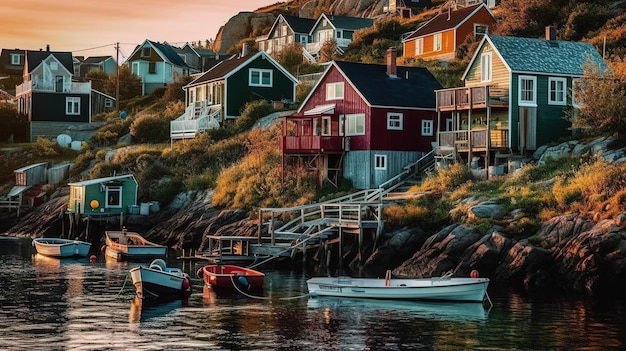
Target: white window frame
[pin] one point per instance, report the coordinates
(334, 91)
(355, 124)
(395, 121)
(525, 102)
(486, 67)
(262, 75)
(77, 193)
(113, 189)
(559, 93)
(478, 33)
(72, 105)
(326, 126)
(108, 103)
(342, 124)
(575, 83)
(16, 59)
(419, 46)
(380, 162)
(427, 127)
(437, 45)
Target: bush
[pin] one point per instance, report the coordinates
(150, 128)
(251, 113)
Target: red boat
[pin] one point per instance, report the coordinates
(230, 276)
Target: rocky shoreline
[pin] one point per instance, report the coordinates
(569, 254)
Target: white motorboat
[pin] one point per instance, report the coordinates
(444, 288)
(125, 245)
(160, 281)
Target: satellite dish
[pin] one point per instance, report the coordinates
(123, 114)
(64, 140)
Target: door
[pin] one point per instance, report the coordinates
(527, 128)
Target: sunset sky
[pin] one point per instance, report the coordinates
(92, 27)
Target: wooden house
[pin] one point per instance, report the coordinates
(221, 92)
(285, 31)
(515, 94)
(11, 69)
(103, 196)
(440, 37)
(404, 8)
(157, 64)
(339, 28)
(105, 64)
(49, 97)
(364, 122)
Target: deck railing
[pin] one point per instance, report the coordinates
(196, 119)
(466, 97)
(459, 138)
(312, 144)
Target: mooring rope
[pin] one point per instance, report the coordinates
(123, 285)
(232, 280)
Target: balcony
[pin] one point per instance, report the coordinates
(462, 140)
(41, 85)
(466, 98)
(312, 144)
(198, 117)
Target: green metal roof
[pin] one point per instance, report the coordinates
(546, 56)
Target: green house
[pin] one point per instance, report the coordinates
(516, 94)
(103, 196)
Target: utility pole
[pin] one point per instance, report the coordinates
(117, 77)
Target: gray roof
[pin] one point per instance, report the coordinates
(103, 180)
(350, 23)
(545, 56)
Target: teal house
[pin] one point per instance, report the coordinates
(103, 196)
(515, 98)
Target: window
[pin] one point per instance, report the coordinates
(380, 162)
(304, 39)
(152, 67)
(576, 86)
(437, 42)
(342, 124)
(326, 126)
(427, 128)
(527, 91)
(556, 91)
(77, 193)
(16, 59)
(480, 30)
(485, 67)
(72, 105)
(334, 91)
(338, 34)
(114, 196)
(394, 121)
(108, 103)
(135, 68)
(355, 124)
(260, 77)
(419, 46)
(145, 52)
(54, 65)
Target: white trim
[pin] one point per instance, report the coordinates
(113, 189)
(357, 121)
(395, 121)
(380, 162)
(428, 127)
(419, 43)
(331, 91)
(327, 127)
(72, 105)
(262, 73)
(486, 67)
(562, 92)
(533, 101)
(437, 39)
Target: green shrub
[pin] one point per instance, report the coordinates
(251, 113)
(150, 128)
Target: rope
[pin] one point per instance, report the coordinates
(263, 297)
(123, 285)
(285, 250)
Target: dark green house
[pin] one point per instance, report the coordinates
(515, 96)
(221, 92)
(103, 196)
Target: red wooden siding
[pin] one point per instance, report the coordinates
(409, 138)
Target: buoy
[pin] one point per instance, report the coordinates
(103, 248)
(243, 281)
(186, 284)
(474, 274)
(92, 258)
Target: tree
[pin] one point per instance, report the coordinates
(98, 79)
(601, 96)
(130, 84)
(328, 51)
(291, 58)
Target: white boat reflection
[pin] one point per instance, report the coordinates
(143, 310)
(453, 311)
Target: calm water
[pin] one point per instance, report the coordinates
(68, 304)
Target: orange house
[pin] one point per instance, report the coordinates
(439, 38)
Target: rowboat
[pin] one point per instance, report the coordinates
(230, 276)
(160, 281)
(444, 288)
(56, 247)
(127, 245)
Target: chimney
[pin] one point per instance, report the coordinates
(244, 50)
(391, 63)
(550, 33)
(47, 47)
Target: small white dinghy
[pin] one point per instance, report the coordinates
(159, 281)
(444, 288)
(57, 247)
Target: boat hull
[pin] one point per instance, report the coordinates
(129, 245)
(231, 276)
(434, 289)
(153, 283)
(54, 247)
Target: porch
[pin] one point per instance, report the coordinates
(313, 134)
(468, 98)
(476, 139)
(198, 117)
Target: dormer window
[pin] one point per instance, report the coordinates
(145, 52)
(16, 59)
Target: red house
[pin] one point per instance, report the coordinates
(364, 122)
